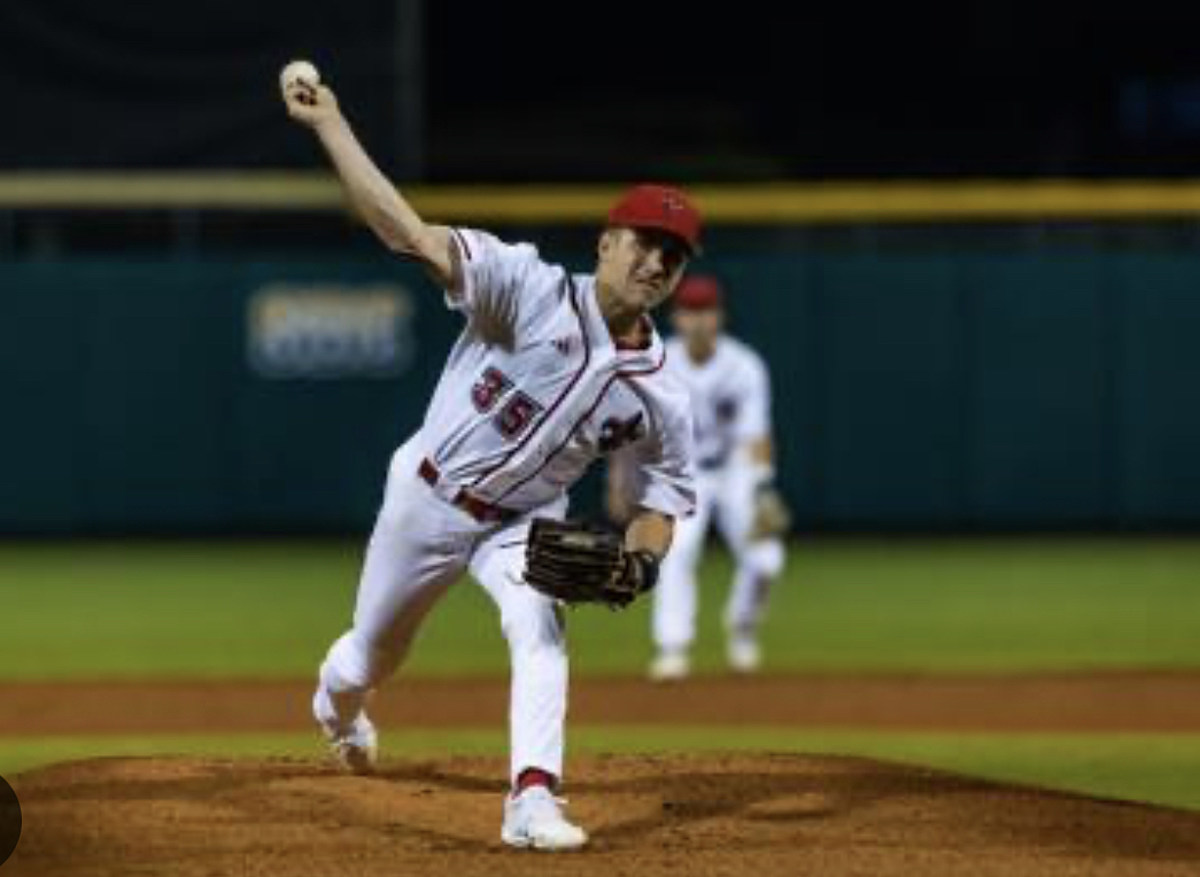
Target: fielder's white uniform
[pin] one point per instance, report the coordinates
(533, 392)
(731, 404)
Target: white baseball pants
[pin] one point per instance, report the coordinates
(728, 495)
(420, 546)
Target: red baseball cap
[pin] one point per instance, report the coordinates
(659, 207)
(698, 292)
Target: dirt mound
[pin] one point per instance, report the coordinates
(1043, 702)
(735, 814)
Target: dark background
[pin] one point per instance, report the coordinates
(1024, 374)
(531, 90)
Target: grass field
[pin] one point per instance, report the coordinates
(250, 609)
(269, 609)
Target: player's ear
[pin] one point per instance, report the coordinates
(607, 241)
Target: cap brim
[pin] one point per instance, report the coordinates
(693, 251)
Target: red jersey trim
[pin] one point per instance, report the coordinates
(638, 373)
(545, 418)
(462, 244)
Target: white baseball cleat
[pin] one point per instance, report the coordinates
(743, 653)
(356, 747)
(534, 819)
(670, 665)
(357, 751)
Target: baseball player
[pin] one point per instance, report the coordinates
(730, 392)
(551, 371)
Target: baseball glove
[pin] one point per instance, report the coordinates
(771, 515)
(582, 563)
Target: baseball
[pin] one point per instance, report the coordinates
(299, 71)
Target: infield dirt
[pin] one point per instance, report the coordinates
(738, 813)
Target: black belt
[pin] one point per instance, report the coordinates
(480, 509)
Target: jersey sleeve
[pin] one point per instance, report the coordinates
(664, 460)
(500, 281)
(754, 417)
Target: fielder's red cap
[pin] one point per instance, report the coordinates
(659, 207)
(698, 292)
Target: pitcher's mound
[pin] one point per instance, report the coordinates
(678, 815)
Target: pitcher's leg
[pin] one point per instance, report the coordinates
(533, 626)
(393, 599)
(417, 550)
(538, 707)
(534, 629)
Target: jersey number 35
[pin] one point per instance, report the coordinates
(516, 414)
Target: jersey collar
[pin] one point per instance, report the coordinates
(649, 353)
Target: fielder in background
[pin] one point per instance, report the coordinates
(552, 370)
(730, 393)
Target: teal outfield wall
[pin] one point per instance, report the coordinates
(963, 390)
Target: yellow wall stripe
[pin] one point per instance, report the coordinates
(765, 203)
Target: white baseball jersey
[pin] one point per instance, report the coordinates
(731, 398)
(731, 403)
(535, 389)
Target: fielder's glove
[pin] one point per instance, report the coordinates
(582, 563)
(771, 515)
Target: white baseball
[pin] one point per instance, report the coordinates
(300, 71)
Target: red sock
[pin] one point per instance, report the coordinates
(535, 776)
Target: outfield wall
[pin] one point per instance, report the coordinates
(927, 385)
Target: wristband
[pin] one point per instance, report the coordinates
(647, 563)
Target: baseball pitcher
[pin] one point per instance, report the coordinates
(550, 372)
(731, 401)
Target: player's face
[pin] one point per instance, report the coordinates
(698, 328)
(640, 267)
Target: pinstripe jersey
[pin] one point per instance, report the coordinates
(535, 389)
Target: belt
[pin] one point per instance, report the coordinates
(479, 509)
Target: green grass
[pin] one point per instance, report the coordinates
(1157, 768)
(269, 609)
